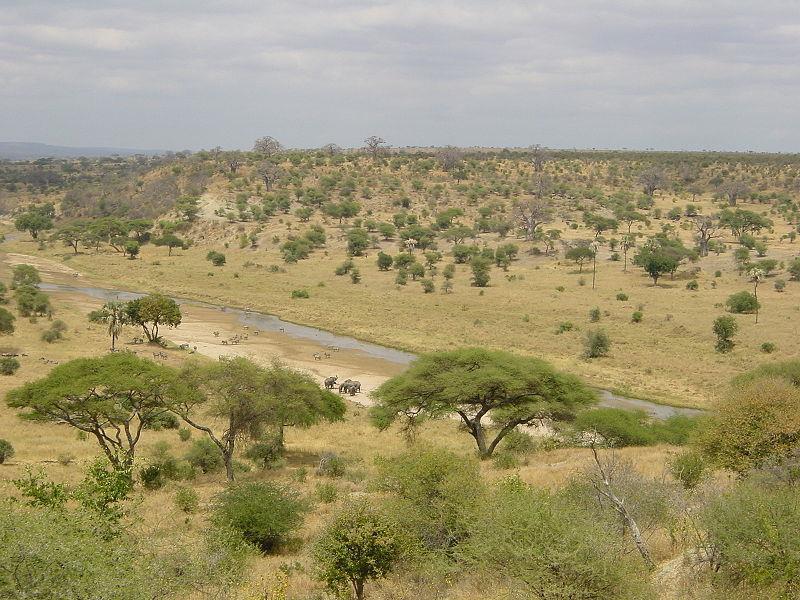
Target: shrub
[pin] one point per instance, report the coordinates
(359, 545)
(637, 316)
(692, 285)
(622, 297)
(617, 426)
(6, 322)
(217, 258)
(742, 302)
(327, 492)
(519, 442)
(264, 514)
(355, 275)
(780, 285)
(564, 327)
(264, 452)
(152, 477)
(6, 450)
(756, 531)
(725, 327)
(331, 465)
(427, 286)
(8, 365)
(689, 468)
(594, 315)
(186, 500)
(65, 458)
(162, 421)
(300, 294)
(717, 273)
(597, 344)
(505, 460)
(184, 433)
(768, 347)
(204, 455)
(551, 547)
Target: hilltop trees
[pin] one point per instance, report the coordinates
(479, 385)
(111, 398)
(267, 145)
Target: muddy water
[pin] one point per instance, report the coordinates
(298, 344)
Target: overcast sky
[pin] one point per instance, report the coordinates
(667, 74)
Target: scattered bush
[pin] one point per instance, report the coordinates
(594, 315)
(327, 492)
(205, 455)
(768, 347)
(692, 285)
(6, 321)
(8, 365)
(300, 294)
(217, 258)
(637, 316)
(622, 297)
(331, 465)
(780, 285)
(597, 344)
(6, 450)
(263, 513)
(725, 327)
(186, 500)
(184, 433)
(564, 327)
(742, 302)
(689, 468)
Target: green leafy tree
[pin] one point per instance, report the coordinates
(152, 312)
(357, 241)
(6, 322)
(479, 385)
(481, 268)
(359, 545)
(132, 249)
(579, 254)
(171, 241)
(35, 220)
(111, 398)
(384, 261)
(115, 316)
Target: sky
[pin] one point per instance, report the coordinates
(191, 74)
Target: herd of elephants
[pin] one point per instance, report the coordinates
(348, 386)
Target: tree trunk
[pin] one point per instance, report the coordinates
(358, 588)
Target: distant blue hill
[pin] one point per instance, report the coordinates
(33, 150)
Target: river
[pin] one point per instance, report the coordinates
(293, 331)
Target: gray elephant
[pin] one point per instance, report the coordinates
(345, 385)
(330, 382)
(350, 387)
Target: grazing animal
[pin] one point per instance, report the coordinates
(344, 385)
(327, 355)
(282, 330)
(216, 334)
(317, 356)
(224, 342)
(330, 382)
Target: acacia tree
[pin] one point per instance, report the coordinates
(269, 173)
(153, 311)
(249, 400)
(733, 190)
(532, 213)
(170, 240)
(479, 386)
(112, 397)
(580, 254)
(652, 179)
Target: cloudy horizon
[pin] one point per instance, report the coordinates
(671, 75)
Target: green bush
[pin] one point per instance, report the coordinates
(331, 465)
(186, 500)
(184, 433)
(8, 365)
(6, 321)
(692, 285)
(161, 421)
(637, 316)
(6, 451)
(152, 477)
(676, 430)
(622, 297)
(564, 327)
(359, 545)
(217, 258)
(327, 492)
(205, 455)
(780, 285)
(768, 347)
(551, 548)
(742, 302)
(596, 344)
(617, 426)
(519, 442)
(756, 532)
(594, 314)
(300, 294)
(689, 468)
(265, 452)
(505, 460)
(265, 514)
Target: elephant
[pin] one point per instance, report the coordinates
(350, 387)
(330, 382)
(345, 385)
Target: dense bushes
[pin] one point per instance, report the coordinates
(742, 302)
(634, 428)
(263, 513)
(8, 365)
(6, 450)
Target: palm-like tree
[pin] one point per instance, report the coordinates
(113, 314)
